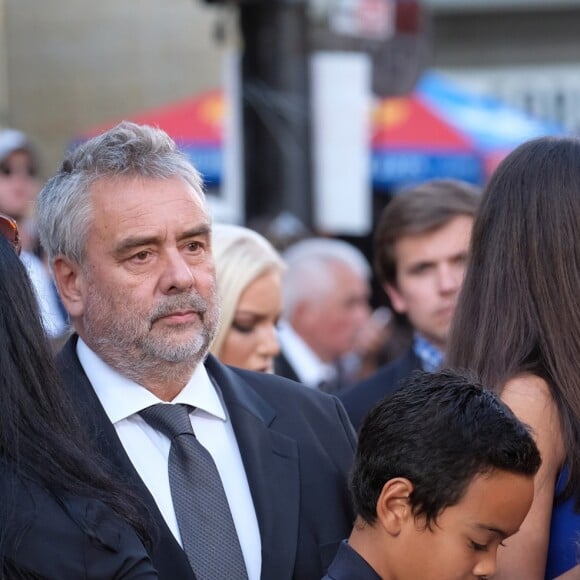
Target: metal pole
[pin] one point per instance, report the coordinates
(276, 109)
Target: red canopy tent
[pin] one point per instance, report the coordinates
(440, 130)
(196, 120)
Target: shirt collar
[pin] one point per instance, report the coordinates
(431, 357)
(121, 397)
(309, 368)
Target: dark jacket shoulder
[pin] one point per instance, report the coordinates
(359, 399)
(283, 368)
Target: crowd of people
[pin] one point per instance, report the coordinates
(216, 410)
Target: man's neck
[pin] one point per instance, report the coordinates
(165, 380)
(162, 378)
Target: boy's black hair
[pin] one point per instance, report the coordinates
(439, 430)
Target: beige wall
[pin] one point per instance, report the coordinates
(66, 65)
(73, 63)
(486, 38)
(3, 70)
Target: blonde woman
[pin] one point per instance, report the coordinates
(249, 273)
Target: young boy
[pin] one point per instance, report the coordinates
(443, 474)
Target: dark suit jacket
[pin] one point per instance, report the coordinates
(348, 565)
(283, 368)
(297, 446)
(359, 399)
(66, 538)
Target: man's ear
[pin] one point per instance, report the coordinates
(301, 315)
(398, 303)
(70, 282)
(393, 507)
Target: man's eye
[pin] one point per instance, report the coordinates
(194, 246)
(421, 268)
(141, 256)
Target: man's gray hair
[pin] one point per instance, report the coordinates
(309, 269)
(64, 208)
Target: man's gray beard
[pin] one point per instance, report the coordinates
(128, 346)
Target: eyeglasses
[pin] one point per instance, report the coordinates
(9, 229)
(8, 171)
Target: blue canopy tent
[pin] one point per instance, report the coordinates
(440, 130)
(443, 130)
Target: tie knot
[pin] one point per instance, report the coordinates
(171, 420)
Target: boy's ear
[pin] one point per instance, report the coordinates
(393, 507)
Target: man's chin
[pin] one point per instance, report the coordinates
(191, 348)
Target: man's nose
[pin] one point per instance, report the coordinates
(177, 274)
(449, 279)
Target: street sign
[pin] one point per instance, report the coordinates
(370, 19)
(394, 33)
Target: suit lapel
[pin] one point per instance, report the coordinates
(91, 412)
(270, 459)
(272, 468)
(104, 436)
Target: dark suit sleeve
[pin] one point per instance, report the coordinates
(70, 538)
(113, 549)
(359, 399)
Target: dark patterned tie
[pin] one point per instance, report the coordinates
(201, 507)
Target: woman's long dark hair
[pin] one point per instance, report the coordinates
(40, 437)
(519, 309)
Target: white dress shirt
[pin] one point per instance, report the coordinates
(310, 369)
(148, 449)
